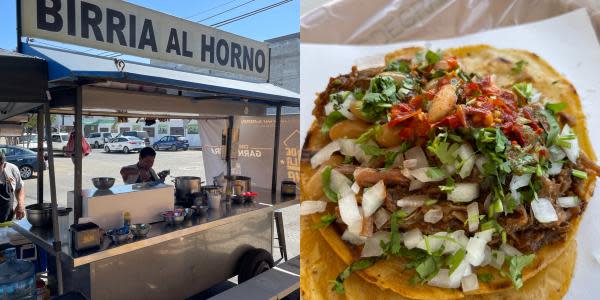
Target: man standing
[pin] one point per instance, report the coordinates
(11, 186)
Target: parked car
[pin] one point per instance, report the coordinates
(124, 144)
(138, 134)
(24, 159)
(29, 141)
(171, 142)
(59, 142)
(98, 139)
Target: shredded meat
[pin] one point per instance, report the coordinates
(587, 164)
(366, 177)
(567, 118)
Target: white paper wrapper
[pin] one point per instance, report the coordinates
(568, 42)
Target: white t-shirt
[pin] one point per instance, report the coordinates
(12, 172)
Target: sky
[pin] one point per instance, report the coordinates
(279, 21)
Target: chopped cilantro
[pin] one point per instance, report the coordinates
(433, 57)
(358, 94)
(331, 119)
(579, 174)
(501, 140)
(326, 220)
(515, 268)
(485, 277)
(435, 173)
(428, 268)
(367, 135)
(449, 187)
(399, 65)
(553, 128)
(455, 259)
(445, 151)
(390, 158)
(556, 107)
(518, 66)
(525, 90)
(430, 202)
(326, 180)
(338, 283)
(373, 150)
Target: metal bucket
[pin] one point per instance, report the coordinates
(186, 186)
(236, 185)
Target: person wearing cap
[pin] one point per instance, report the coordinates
(11, 187)
(142, 171)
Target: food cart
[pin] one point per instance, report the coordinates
(171, 262)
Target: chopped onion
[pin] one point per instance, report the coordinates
(464, 192)
(406, 173)
(373, 244)
(345, 107)
(355, 187)
(519, 181)
(433, 215)
(423, 174)
(473, 216)
(412, 201)
(487, 202)
(475, 251)
(497, 259)
(487, 256)
(349, 147)
(418, 154)
(516, 195)
(353, 238)
(412, 238)
(339, 183)
(469, 283)
(442, 280)
(555, 168)
(324, 154)
(543, 210)
(381, 217)
(432, 243)
(450, 169)
(465, 152)
(308, 207)
(409, 209)
(510, 250)
(329, 108)
(349, 209)
(485, 235)
(356, 227)
(480, 161)
(571, 201)
(572, 151)
(410, 163)
(460, 240)
(399, 161)
(415, 185)
(373, 197)
(556, 153)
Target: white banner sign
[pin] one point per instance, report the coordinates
(122, 27)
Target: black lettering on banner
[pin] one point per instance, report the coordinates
(132, 41)
(236, 53)
(44, 11)
(260, 61)
(93, 22)
(173, 43)
(222, 44)
(71, 18)
(248, 58)
(113, 27)
(186, 52)
(147, 37)
(210, 48)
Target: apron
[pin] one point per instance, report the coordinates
(6, 202)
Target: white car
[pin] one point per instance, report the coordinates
(124, 144)
(98, 139)
(59, 142)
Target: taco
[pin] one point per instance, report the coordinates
(447, 174)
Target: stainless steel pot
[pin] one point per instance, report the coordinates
(186, 186)
(236, 185)
(39, 215)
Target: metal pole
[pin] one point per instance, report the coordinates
(276, 149)
(19, 46)
(40, 155)
(228, 147)
(56, 245)
(78, 154)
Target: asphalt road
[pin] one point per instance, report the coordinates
(181, 163)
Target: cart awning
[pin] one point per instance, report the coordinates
(68, 68)
(23, 83)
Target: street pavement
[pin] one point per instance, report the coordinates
(181, 163)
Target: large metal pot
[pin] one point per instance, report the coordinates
(39, 215)
(186, 186)
(236, 185)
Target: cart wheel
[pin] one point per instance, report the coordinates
(254, 262)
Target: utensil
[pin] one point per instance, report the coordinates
(64, 223)
(118, 236)
(236, 185)
(85, 236)
(103, 183)
(186, 187)
(288, 187)
(174, 217)
(39, 215)
(140, 230)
